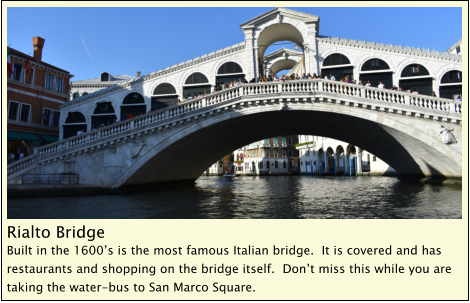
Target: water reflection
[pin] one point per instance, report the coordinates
(260, 197)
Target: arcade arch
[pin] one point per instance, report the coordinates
(416, 77)
(228, 72)
(133, 104)
(450, 86)
(195, 84)
(338, 65)
(376, 70)
(163, 95)
(74, 122)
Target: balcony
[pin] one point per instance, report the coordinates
(275, 145)
(265, 145)
(284, 145)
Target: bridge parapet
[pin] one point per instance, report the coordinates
(439, 109)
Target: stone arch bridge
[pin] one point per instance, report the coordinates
(419, 136)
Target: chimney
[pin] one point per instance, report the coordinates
(138, 74)
(38, 44)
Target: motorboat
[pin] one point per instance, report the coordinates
(229, 176)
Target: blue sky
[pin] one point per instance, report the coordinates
(127, 40)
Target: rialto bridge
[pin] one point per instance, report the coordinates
(417, 134)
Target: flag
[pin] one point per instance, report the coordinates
(27, 68)
(9, 62)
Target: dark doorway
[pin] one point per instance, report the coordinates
(133, 110)
(96, 121)
(228, 79)
(162, 102)
(376, 78)
(71, 130)
(450, 92)
(422, 86)
(339, 72)
(195, 90)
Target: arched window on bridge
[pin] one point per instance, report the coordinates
(133, 104)
(75, 121)
(195, 84)
(105, 77)
(375, 71)
(84, 94)
(415, 77)
(451, 85)
(163, 95)
(75, 96)
(228, 72)
(103, 114)
(337, 65)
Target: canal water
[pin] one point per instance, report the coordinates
(268, 197)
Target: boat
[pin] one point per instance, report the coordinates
(229, 176)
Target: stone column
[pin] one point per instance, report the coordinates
(347, 168)
(256, 62)
(359, 161)
(250, 71)
(310, 49)
(325, 156)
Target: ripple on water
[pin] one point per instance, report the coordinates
(260, 197)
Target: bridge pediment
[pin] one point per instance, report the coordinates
(278, 12)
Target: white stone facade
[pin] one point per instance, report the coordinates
(310, 148)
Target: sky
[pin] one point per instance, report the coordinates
(89, 41)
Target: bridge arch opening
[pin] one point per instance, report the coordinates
(337, 65)
(134, 105)
(103, 114)
(163, 96)
(74, 122)
(416, 77)
(228, 72)
(341, 159)
(376, 70)
(196, 84)
(451, 85)
(282, 65)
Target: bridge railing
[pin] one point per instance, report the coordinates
(247, 89)
(21, 164)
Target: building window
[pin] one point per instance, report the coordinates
(46, 116)
(76, 95)
(25, 112)
(17, 69)
(275, 153)
(291, 164)
(414, 69)
(276, 164)
(55, 118)
(284, 164)
(58, 84)
(49, 81)
(31, 77)
(283, 140)
(458, 49)
(290, 153)
(284, 153)
(374, 158)
(308, 153)
(302, 163)
(13, 110)
(374, 62)
(104, 77)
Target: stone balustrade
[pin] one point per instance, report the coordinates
(333, 89)
(21, 164)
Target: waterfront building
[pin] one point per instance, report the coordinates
(414, 69)
(272, 156)
(328, 156)
(35, 92)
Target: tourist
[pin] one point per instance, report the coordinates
(245, 81)
(459, 98)
(415, 91)
(102, 125)
(173, 103)
(205, 92)
(381, 85)
(346, 80)
(312, 77)
(305, 76)
(130, 116)
(332, 78)
(401, 89)
(394, 87)
(179, 102)
(257, 79)
(149, 111)
(108, 123)
(275, 79)
(368, 83)
(433, 94)
(190, 97)
(80, 131)
(360, 83)
(93, 127)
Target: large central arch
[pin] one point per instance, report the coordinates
(278, 32)
(399, 144)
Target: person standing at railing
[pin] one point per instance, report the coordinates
(257, 79)
(368, 83)
(361, 83)
(332, 78)
(433, 94)
(275, 79)
(415, 91)
(346, 80)
(459, 98)
(305, 76)
(394, 87)
(381, 85)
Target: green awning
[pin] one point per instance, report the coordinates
(50, 138)
(11, 135)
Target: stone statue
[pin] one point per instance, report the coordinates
(446, 135)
